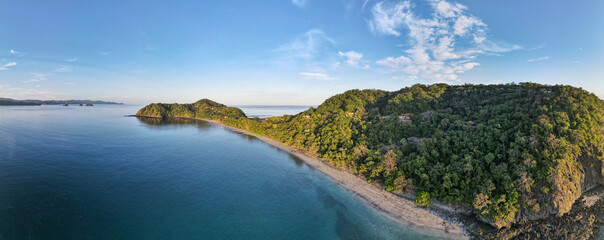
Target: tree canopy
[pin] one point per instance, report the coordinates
(510, 152)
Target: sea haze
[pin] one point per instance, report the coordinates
(262, 111)
(93, 173)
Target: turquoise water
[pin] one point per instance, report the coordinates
(93, 173)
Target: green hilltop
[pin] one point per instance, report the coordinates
(204, 109)
(512, 152)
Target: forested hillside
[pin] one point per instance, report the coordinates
(511, 152)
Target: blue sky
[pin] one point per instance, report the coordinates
(295, 52)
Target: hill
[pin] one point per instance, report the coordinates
(512, 153)
(9, 101)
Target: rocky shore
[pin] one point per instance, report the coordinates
(584, 221)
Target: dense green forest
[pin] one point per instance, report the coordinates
(511, 152)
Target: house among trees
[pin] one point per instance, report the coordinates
(405, 118)
(383, 118)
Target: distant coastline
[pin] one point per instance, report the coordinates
(400, 209)
(36, 102)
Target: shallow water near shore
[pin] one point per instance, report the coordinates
(92, 173)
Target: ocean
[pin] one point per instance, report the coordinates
(95, 173)
(262, 111)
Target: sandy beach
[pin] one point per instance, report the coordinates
(399, 209)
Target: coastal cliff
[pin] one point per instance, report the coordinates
(512, 153)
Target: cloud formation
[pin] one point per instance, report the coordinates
(37, 77)
(352, 59)
(13, 51)
(300, 3)
(387, 19)
(317, 76)
(62, 69)
(7, 66)
(433, 53)
(305, 46)
(538, 59)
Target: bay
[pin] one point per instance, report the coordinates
(93, 173)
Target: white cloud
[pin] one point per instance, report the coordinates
(10, 64)
(492, 47)
(444, 49)
(538, 59)
(398, 62)
(434, 52)
(411, 78)
(16, 53)
(71, 59)
(364, 4)
(446, 9)
(37, 77)
(62, 69)
(317, 76)
(387, 19)
(305, 46)
(463, 24)
(300, 3)
(7, 66)
(405, 78)
(351, 58)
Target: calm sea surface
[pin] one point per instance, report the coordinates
(271, 111)
(92, 173)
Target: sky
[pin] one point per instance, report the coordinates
(290, 52)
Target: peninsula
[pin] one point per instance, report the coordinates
(35, 102)
(510, 154)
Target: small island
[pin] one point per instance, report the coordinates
(511, 154)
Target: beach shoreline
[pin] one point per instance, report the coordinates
(397, 208)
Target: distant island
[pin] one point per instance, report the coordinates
(34, 102)
(511, 154)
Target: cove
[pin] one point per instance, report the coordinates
(92, 173)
